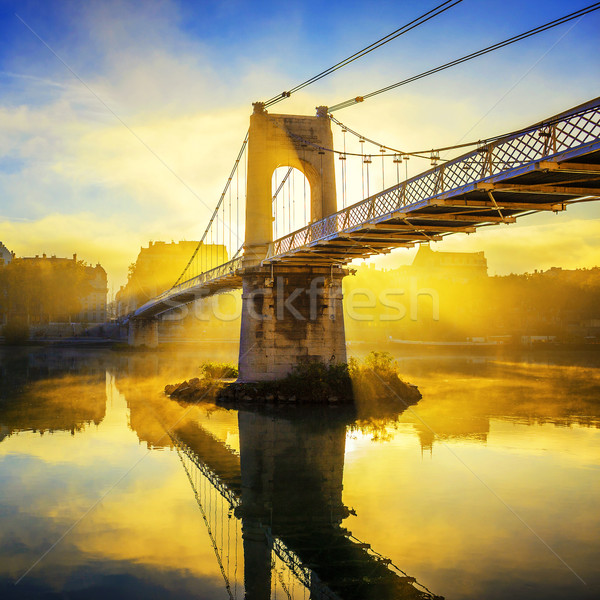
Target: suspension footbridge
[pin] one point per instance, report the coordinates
(252, 240)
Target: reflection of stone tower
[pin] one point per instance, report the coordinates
(286, 487)
(291, 481)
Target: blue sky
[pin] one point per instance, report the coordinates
(183, 75)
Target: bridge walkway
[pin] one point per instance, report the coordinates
(544, 167)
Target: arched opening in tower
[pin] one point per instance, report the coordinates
(291, 201)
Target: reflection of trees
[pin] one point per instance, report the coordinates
(462, 396)
(38, 392)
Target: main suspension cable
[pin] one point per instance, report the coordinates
(216, 211)
(481, 143)
(497, 46)
(438, 10)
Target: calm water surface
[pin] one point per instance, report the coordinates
(487, 488)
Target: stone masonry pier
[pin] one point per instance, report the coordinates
(288, 316)
(143, 332)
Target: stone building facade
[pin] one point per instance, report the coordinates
(93, 304)
(6, 255)
(30, 281)
(158, 266)
(459, 266)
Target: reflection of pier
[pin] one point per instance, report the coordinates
(286, 486)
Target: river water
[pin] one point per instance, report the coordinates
(488, 487)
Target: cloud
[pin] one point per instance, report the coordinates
(181, 80)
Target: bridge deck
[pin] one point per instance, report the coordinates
(542, 168)
(224, 277)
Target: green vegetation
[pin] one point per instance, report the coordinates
(218, 370)
(380, 395)
(367, 383)
(377, 377)
(313, 382)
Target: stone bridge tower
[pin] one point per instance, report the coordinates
(279, 141)
(290, 313)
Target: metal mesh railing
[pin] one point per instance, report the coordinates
(224, 270)
(566, 132)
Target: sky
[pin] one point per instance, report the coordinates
(120, 121)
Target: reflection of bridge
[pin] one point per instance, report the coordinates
(544, 167)
(286, 486)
